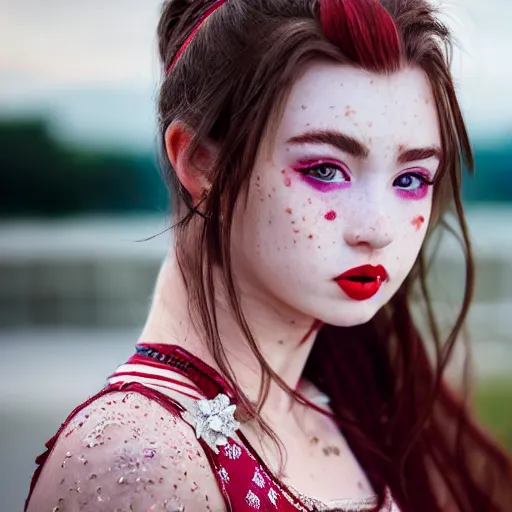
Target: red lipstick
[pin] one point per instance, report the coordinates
(362, 283)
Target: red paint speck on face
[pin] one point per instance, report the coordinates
(330, 215)
(287, 182)
(289, 211)
(417, 222)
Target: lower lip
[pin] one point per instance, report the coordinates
(358, 290)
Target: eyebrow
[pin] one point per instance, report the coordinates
(353, 147)
(413, 155)
(334, 138)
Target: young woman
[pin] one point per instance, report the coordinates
(312, 148)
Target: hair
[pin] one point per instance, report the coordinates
(409, 431)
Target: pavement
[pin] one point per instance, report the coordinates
(45, 373)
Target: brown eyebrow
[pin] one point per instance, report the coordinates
(353, 147)
(413, 155)
(334, 138)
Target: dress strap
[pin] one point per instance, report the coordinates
(208, 380)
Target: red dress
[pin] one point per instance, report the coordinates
(243, 478)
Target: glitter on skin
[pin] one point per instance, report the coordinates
(139, 452)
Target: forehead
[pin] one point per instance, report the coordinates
(396, 107)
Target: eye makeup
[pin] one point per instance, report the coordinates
(324, 175)
(413, 184)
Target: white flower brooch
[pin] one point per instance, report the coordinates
(213, 420)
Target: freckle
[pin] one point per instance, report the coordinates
(332, 106)
(309, 200)
(308, 124)
(330, 215)
(304, 218)
(294, 222)
(370, 124)
(372, 81)
(304, 107)
(310, 237)
(281, 342)
(417, 222)
(319, 247)
(269, 222)
(289, 211)
(296, 230)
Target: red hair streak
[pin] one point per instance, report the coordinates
(364, 31)
(199, 24)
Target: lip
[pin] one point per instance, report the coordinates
(362, 283)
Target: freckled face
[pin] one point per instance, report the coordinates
(346, 183)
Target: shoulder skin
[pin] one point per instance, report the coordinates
(125, 452)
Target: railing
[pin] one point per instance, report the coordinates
(94, 273)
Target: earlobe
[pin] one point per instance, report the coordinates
(192, 171)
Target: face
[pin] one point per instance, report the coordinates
(340, 199)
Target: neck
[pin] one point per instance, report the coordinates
(284, 337)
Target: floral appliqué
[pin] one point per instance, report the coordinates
(213, 420)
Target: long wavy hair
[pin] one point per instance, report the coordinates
(409, 431)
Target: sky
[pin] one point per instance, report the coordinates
(92, 68)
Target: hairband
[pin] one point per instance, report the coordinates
(202, 19)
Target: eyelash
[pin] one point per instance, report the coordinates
(423, 179)
(329, 183)
(308, 170)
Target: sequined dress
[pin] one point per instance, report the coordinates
(245, 481)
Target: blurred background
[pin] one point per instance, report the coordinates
(80, 188)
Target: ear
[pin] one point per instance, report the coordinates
(192, 171)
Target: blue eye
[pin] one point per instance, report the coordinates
(411, 181)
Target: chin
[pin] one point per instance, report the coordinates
(350, 314)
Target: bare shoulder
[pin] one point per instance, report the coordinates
(126, 452)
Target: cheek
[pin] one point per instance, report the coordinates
(418, 222)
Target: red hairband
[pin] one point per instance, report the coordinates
(202, 19)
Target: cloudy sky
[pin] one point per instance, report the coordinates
(92, 66)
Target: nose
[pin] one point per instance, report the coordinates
(371, 231)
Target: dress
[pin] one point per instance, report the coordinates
(244, 480)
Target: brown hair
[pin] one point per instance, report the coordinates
(407, 429)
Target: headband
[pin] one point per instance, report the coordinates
(202, 19)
